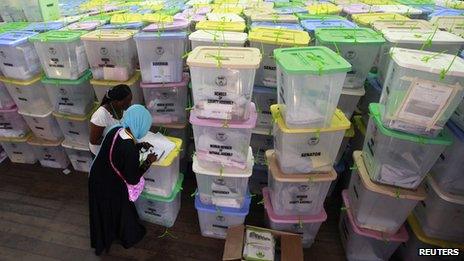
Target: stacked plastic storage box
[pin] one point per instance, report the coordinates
(222, 119)
(308, 131)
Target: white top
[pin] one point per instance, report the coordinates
(224, 17)
(420, 36)
(102, 118)
(396, 9)
(219, 36)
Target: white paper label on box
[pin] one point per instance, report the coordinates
(217, 111)
(161, 72)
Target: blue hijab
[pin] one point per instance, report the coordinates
(138, 119)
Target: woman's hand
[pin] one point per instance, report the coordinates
(151, 158)
(144, 145)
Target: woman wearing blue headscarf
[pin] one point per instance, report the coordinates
(112, 215)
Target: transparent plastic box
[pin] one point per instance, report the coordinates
(222, 144)
(160, 210)
(75, 128)
(414, 24)
(267, 40)
(441, 214)
(349, 99)
(6, 102)
(167, 101)
(302, 194)
(305, 225)
(222, 81)
(309, 82)
(49, 153)
(41, 10)
(307, 150)
(397, 158)
(447, 171)
(217, 38)
(421, 91)
(112, 54)
(223, 189)
(12, 124)
(62, 54)
(101, 87)
(43, 126)
(79, 155)
(264, 97)
(260, 143)
(75, 97)
(18, 150)
(214, 221)
(366, 244)
(359, 46)
(18, 57)
(160, 56)
(376, 206)
(30, 96)
(162, 176)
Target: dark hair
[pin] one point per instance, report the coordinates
(117, 93)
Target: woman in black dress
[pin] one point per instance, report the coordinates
(112, 215)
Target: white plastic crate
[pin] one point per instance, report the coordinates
(167, 101)
(160, 210)
(366, 244)
(75, 128)
(112, 54)
(222, 81)
(62, 54)
(376, 206)
(18, 150)
(421, 91)
(222, 144)
(18, 58)
(43, 126)
(447, 171)
(307, 150)
(349, 100)
(260, 143)
(12, 124)
(441, 214)
(264, 97)
(223, 188)
(30, 96)
(79, 155)
(101, 87)
(49, 153)
(6, 102)
(71, 96)
(217, 38)
(309, 81)
(160, 56)
(302, 194)
(214, 221)
(397, 158)
(305, 225)
(161, 177)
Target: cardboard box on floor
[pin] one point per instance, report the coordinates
(290, 244)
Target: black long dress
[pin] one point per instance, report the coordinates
(112, 215)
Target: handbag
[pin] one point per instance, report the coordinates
(134, 191)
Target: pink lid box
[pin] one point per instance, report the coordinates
(358, 8)
(248, 124)
(194, 18)
(183, 83)
(321, 217)
(12, 109)
(87, 26)
(400, 236)
(170, 26)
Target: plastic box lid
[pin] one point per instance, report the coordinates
(311, 60)
(302, 16)
(70, 145)
(357, 8)
(456, 130)
(448, 197)
(354, 91)
(446, 21)
(367, 19)
(442, 139)
(167, 26)
(129, 82)
(177, 188)
(218, 36)
(312, 25)
(349, 36)
(277, 173)
(109, 35)
(126, 18)
(225, 57)
(16, 139)
(228, 10)
(378, 2)
(221, 26)
(429, 62)
(182, 84)
(397, 9)
(224, 17)
(58, 36)
(224, 210)
(20, 83)
(102, 18)
(394, 192)
(245, 173)
(290, 10)
(447, 12)
(339, 122)
(324, 8)
(279, 37)
(84, 25)
(415, 2)
(74, 117)
(160, 35)
(45, 26)
(276, 18)
(400, 236)
(413, 24)
(35, 141)
(14, 38)
(277, 25)
(85, 77)
(12, 26)
(128, 26)
(248, 124)
(421, 36)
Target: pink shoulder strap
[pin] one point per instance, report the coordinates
(111, 156)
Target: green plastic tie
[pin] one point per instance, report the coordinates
(354, 167)
(194, 194)
(167, 234)
(261, 202)
(397, 193)
(343, 208)
(300, 223)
